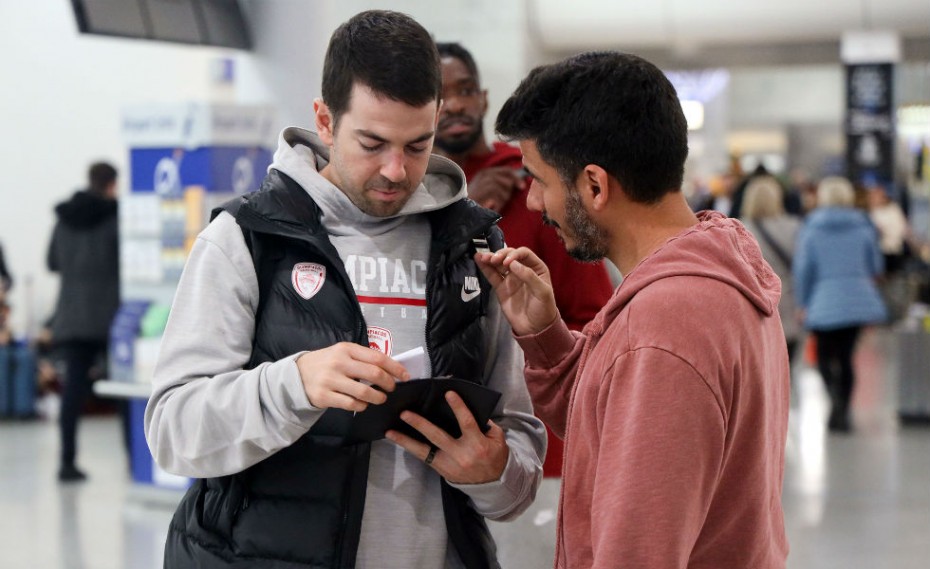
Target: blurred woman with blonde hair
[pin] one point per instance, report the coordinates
(763, 214)
(836, 265)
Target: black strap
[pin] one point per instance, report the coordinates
(778, 249)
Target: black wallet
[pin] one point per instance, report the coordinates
(425, 397)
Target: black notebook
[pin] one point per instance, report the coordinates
(425, 397)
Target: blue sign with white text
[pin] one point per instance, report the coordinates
(219, 169)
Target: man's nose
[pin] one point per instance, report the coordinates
(453, 105)
(394, 169)
(534, 201)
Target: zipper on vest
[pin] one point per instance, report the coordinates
(242, 507)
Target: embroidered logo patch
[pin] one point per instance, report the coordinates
(380, 339)
(308, 278)
(471, 289)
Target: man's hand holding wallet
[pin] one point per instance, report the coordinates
(443, 421)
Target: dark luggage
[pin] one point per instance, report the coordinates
(17, 381)
(913, 361)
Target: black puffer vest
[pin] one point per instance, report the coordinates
(302, 507)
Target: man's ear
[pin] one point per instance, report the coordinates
(325, 124)
(594, 185)
(484, 102)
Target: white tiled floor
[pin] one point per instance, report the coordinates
(851, 502)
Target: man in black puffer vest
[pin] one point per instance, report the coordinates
(358, 246)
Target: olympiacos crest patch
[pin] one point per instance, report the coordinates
(308, 278)
(380, 339)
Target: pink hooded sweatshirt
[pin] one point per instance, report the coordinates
(673, 404)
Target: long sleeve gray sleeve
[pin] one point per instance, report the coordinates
(206, 416)
(510, 496)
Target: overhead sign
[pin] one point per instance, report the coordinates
(193, 125)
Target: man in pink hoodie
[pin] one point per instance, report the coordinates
(673, 401)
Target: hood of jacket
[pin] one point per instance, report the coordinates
(85, 209)
(717, 247)
(301, 155)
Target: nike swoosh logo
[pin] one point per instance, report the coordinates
(467, 296)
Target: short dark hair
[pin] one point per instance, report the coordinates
(386, 51)
(99, 176)
(456, 50)
(611, 109)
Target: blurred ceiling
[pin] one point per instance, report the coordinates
(696, 32)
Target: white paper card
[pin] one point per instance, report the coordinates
(415, 361)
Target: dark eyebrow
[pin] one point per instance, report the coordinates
(368, 134)
(530, 172)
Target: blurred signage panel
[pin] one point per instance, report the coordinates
(870, 124)
(195, 125)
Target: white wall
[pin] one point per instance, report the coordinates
(291, 38)
(783, 95)
(59, 109)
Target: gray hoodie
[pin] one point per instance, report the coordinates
(205, 417)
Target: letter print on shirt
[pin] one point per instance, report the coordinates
(392, 295)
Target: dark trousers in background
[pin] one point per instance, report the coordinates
(835, 361)
(79, 357)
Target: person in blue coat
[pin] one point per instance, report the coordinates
(836, 265)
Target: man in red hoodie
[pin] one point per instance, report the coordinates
(496, 181)
(673, 403)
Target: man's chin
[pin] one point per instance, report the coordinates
(455, 145)
(585, 255)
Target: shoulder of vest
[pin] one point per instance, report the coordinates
(464, 221)
(280, 206)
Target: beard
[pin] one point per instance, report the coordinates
(590, 240)
(461, 143)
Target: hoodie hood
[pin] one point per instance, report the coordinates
(85, 209)
(301, 155)
(717, 247)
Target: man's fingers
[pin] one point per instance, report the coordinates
(498, 266)
(380, 367)
(463, 415)
(495, 432)
(361, 391)
(432, 433)
(334, 400)
(528, 276)
(490, 270)
(411, 445)
(373, 374)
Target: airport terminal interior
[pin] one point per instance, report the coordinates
(187, 98)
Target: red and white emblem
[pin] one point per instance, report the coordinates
(380, 339)
(308, 278)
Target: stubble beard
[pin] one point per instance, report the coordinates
(590, 239)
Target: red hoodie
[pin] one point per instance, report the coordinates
(673, 403)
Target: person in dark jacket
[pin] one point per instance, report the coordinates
(84, 250)
(291, 317)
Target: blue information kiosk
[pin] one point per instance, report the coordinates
(185, 159)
